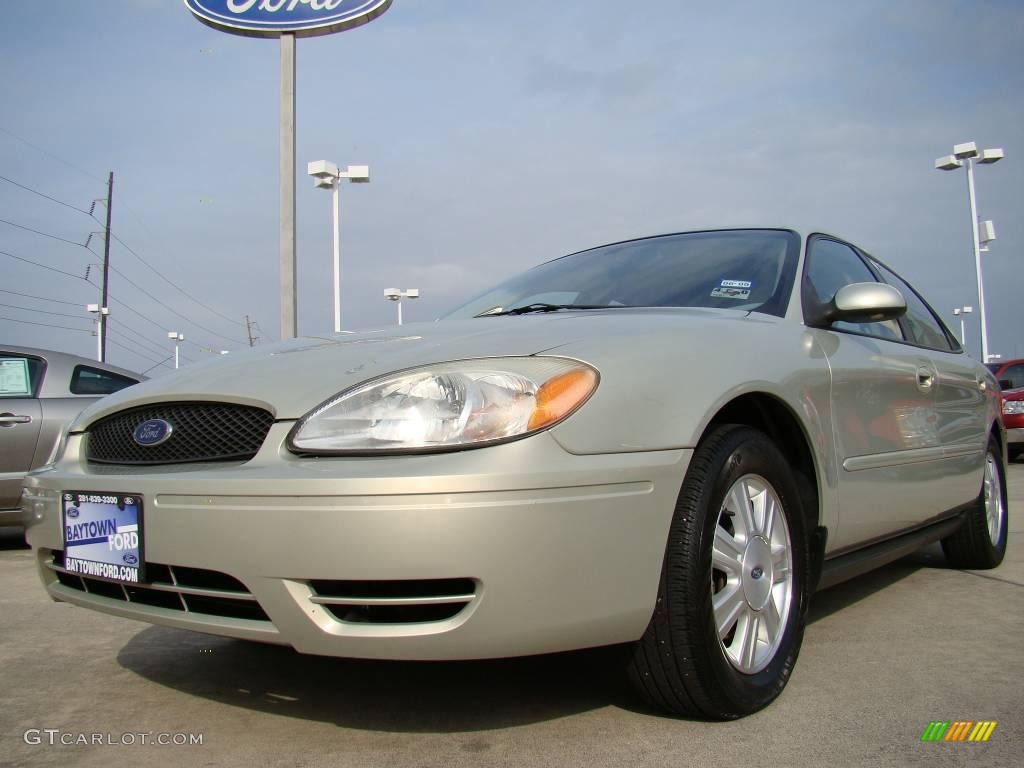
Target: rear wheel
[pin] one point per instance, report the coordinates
(729, 618)
(980, 542)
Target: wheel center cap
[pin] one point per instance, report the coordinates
(757, 572)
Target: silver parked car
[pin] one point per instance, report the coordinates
(668, 443)
(41, 391)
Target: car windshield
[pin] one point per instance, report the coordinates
(750, 270)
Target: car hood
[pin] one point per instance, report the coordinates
(292, 377)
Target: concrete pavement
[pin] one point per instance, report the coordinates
(883, 655)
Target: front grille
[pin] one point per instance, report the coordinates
(200, 432)
(393, 602)
(177, 588)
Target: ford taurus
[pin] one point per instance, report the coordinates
(666, 444)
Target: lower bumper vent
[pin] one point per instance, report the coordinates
(393, 602)
(177, 588)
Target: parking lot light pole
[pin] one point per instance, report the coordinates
(327, 175)
(397, 294)
(177, 338)
(961, 312)
(101, 317)
(965, 156)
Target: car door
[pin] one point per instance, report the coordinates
(20, 418)
(960, 398)
(883, 406)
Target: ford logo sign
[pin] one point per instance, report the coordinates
(73, 512)
(129, 558)
(270, 18)
(152, 432)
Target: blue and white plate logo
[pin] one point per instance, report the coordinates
(269, 18)
(152, 432)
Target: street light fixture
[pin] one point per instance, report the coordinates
(961, 312)
(397, 294)
(177, 338)
(327, 175)
(101, 317)
(966, 155)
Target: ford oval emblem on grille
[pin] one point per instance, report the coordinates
(152, 432)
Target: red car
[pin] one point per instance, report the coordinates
(1010, 376)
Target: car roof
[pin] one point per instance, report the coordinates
(802, 231)
(61, 365)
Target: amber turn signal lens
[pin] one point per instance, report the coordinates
(561, 395)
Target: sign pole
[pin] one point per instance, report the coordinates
(289, 316)
(287, 20)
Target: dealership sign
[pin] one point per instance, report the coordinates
(271, 18)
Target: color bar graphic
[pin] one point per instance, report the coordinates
(958, 730)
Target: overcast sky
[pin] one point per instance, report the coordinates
(499, 135)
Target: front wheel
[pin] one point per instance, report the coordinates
(980, 543)
(732, 599)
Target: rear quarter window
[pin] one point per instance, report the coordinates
(93, 381)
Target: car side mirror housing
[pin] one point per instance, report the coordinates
(862, 303)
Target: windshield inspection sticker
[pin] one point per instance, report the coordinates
(732, 289)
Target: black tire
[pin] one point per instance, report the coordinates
(680, 665)
(972, 545)
(1015, 452)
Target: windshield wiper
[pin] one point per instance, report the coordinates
(539, 307)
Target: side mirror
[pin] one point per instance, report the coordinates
(863, 303)
(1005, 384)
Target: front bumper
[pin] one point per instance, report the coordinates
(1015, 435)
(559, 551)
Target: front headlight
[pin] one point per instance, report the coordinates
(1013, 407)
(447, 406)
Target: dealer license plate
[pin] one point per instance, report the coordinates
(103, 535)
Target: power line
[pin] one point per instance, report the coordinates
(41, 298)
(133, 350)
(44, 266)
(136, 312)
(44, 311)
(150, 345)
(132, 309)
(44, 234)
(37, 192)
(128, 248)
(165, 360)
(48, 154)
(171, 282)
(174, 311)
(48, 325)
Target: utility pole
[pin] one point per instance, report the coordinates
(248, 329)
(106, 272)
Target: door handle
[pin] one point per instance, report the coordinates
(982, 384)
(9, 420)
(925, 378)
